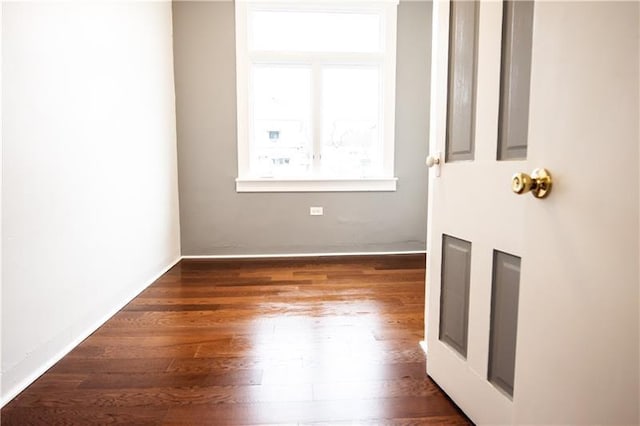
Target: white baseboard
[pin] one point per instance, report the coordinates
(423, 345)
(277, 255)
(43, 366)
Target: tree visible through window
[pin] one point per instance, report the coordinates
(316, 89)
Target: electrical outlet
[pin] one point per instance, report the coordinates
(316, 211)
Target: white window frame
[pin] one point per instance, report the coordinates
(245, 182)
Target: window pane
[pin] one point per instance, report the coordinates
(281, 121)
(315, 31)
(351, 145)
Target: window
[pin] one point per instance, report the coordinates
(316, 95)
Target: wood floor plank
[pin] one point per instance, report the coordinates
(416, 421)
(268, 341)
(178, 380)
(396, 388)
(167, 396)
(310, 411)
(69, 366)
(139, 416)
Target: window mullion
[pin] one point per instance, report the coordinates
(316, 120)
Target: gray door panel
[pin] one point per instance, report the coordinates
(504, 320)
(517, 31)
(454, 296)
(462, 81)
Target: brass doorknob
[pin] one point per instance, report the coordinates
(539, 183)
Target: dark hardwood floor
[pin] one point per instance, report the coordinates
(291, 341)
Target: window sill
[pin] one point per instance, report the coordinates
(316, 185)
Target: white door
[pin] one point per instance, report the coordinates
(532, 303)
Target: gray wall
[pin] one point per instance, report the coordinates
(215, 220)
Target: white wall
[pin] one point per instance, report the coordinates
(90, 201)
(0, 214)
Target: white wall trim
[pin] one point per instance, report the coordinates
(355, 1)
(423, 346)
(229, 1)
(276, 255)
(316, 185)
(23, 384)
